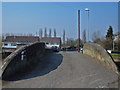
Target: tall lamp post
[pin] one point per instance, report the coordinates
(87, 9)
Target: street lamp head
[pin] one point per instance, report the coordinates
(86, 9)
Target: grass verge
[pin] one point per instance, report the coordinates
(115, 54)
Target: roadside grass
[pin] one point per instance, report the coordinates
(0, 46)
(0, 50)
(115, 54)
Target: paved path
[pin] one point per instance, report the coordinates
(66, 70)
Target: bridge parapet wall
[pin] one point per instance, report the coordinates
(22, 58)
(101, 55)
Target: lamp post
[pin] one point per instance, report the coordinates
(87, 9)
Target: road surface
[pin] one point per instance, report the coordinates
(66, 70)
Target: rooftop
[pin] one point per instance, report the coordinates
(22, 39)
(51, 39)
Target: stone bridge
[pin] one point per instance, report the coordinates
(32, 66)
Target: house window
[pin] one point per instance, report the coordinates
(52, 43)
(47, 43)
(13, 44)
(5, 44)
(57, 43)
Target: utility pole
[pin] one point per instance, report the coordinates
(78, 30)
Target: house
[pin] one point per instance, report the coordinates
(51, 41)
(11, 43)
(117, 38)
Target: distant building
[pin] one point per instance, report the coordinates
(11, 43)
(51, 41)
(117, 38)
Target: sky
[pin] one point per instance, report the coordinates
(119, 16)
(29, 17)
(59, 0)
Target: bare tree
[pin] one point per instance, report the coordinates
(118, 44)
(50, 32)
(54, 32)
(36, 33)
(45, 33)
(101, 40)
(3, 36)
(40, 33)
(96, 35)
(84, 36)
(72, 42)
(64, 38)
(30, 34)
(24, 34)
(20, 34)
(12, 34)
(7, 34)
